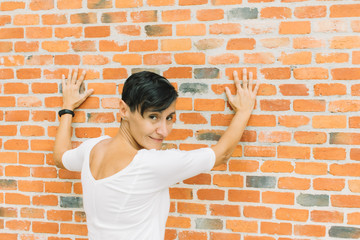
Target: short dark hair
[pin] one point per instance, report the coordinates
(148, 91)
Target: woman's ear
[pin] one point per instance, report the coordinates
(123, 110)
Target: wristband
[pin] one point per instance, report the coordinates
(66, 111)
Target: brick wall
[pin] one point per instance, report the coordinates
(295, 173)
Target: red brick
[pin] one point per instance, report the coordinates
(296, 152)
(11, 5)
(346, 42)
(277, 166)
(8, 33)
(17, 198)
(332, 57)
(310, 137)
(283, 198)
(310, 12)
(6, 46)
(128, 3)
(36, 5)
(131, 30)
(275, 42)
(345, 10)
(26, 19)
(97, 31)
(224, 236)
(294, 90)
(45, 227)
(69, 4)
(308, 43)
(210, 14)
(276, 228)
(328, 184)
(26, 46)
(297, 58)
(276, 73)
(242, 226)
(276, 12)
(54, 19)
(192, 2)
(345, 73)
(257, 212)
(181, 193)
(176, 15)
(327, 216)
(190, 29)
(325, 89)
(225, 28)
(225, 210)
(38, 32)
(157, 59)
(289, 214)
(310, 230)
(18, 225)
(259, 58)
(211, 194)
(275, 105)
(241, 44)
(294, 183)
(244, 196)
(309, 105)
(11, 88)
(45, 200)
(223, 180)
(143, 45)
(191, 208)
(329, 153)
(303, 27)
(311, 168)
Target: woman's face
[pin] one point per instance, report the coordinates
(150, 130)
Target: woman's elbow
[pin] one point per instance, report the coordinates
(57, 157)
(222, 159)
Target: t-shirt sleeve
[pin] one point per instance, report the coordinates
(73, 159)
(172, 166)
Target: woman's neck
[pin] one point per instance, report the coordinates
(125, 136)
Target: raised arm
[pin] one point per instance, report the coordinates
(242, 103)
(72, 98)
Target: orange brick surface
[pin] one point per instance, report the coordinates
(294, 173)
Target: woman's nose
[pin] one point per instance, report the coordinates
(163, 129)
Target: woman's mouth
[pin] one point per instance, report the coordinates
(157, 139)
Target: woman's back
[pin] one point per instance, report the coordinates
(134, 202)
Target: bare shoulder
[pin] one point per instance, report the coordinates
(107, 158)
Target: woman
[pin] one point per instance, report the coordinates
(126, 178)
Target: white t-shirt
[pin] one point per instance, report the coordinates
(133, 204)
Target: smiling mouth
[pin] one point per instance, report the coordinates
(157, 139)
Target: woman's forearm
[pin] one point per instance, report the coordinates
(72, 98)
(231, 137)
(62, 139)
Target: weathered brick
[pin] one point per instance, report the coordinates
(311, 200)
(260, 181)
(207, 223)
(344, 232)
(203, 73)
(242, 13)
(71, 202)
(194, 88)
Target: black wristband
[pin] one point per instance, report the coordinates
(66, 111)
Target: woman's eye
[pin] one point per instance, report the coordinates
(153, 117)
(169, 118)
